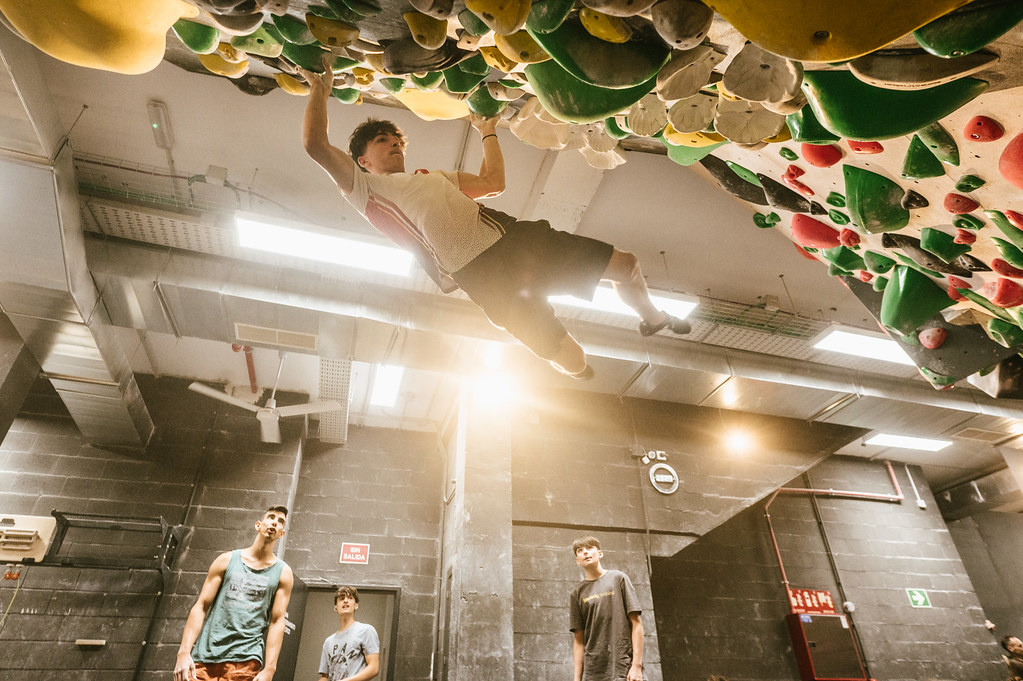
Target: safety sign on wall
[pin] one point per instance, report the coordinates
(355, 553)
(918, 598)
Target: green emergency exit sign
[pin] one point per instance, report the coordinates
(918, 598)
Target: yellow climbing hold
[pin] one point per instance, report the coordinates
(229, 52)
(330, 32)
(123, 36)
(496, 60)
(504, 17)
(520, 48)
(783, 136)
(690, 139)
(376, 62)
(432, 106)
(220, 66)
(604, 26)
(429, 32)
(292, 86)
(363, 77)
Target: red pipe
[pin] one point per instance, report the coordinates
(250, 363)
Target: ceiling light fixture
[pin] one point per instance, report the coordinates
(306, 241)
(159, 120)
(863, 344)
(386, 384)
(605, 299)
(906, 442)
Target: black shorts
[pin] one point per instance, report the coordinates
(511, 280)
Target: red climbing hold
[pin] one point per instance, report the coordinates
(865, 276)
(956, 282)
(849, 238)
(955, 295)
(1010, 165)
(789, 178)
(932, 338)
(794, 171)
(1005, 269)
(1015, 218)
(959, 204)
(811, 233)
(964, 236)
(805, 253)
(983, 129)
(821, 155)
(865, 147)
(1003, 293)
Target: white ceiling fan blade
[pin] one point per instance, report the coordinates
(222, 396)
(309, 408)
(269, 427)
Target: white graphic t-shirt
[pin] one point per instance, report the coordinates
(344, 652)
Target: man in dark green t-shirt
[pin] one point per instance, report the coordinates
(235, 629)
(605, 620)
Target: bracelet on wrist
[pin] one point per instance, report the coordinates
(489, 135)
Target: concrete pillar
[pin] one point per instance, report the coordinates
(18, 371)
(479, 545)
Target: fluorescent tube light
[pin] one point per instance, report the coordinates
(905, 442)
(159, 120)
(306, 241)
(605, 299)
(863, 345)
(386, 384)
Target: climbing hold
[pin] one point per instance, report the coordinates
(806, 252)
(520, 47)
(1015, 218)
(572, 100)
(505, 93)
(865, 147)
(427, 30)
(759, 76)
(214, 63)
(1011, 232)
(547, 15)
(880, 283)
(792, 182)
(483, 104)
(920, 162)
(915, 68)
(941, 244)
(788, 154)
(199, 38)
(439, 9)
(965, 221)
(874, 201)
(968, 29)
(838, 217)
(686, 72)
(693, 114)
(364, 8)
(309, 57)
(472, 24)
(1004, 333)
(393, 85)
(924, 260)
(340, 34)
(940, 142)
(647, 117)
(1003, 292)
(764, 221)
(844, 261)
(864, 276)
(983, 129)
(782, 197)
(612, 129)
(1012, 254)
(688, 155)
(805, 127)
(600, 63)
(909, 300)
(293, 30)
(431, 106)
(836, 199)
(958, 204)
(682, 24)
(821, 155)
(817, 209)
(732, 182)
(848, 107)
(849, 238)
(783, 135)
(464, 77)
(794, 171)
(987, 305)
(967, 183)
(291, 85)
(691, 139)
(609, 28)
(504, 17)
(496, 59)
(260, 42)
(744, 173)
(407, 56)
(956, 282)
(965, 236)
(914, 200)
(428, 82)
(1010, 164)
(619, 8)
(933, 337)
(746, 122)
(347, 95)
(1005, 269)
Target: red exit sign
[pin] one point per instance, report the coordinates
(354, 553)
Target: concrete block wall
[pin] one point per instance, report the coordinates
(721, 604)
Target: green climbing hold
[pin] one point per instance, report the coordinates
(941, 143)
(805, 127)
(341, 64)
(967, 183)
(293, 30)
(880, 283)
(261, 42)
(941, 244)
(1011, 254)
(612, 128)
(309, 57)
(348, 95)
(788, 154)
(909, 300)
(547, 15)
(199, 38)
(835, 199)
(428, 81)
(762, 221)
(838, 217)
(393, 85)
(935, 379)
(574, 101)
(987, 305)
(464, 76)
(909, 262)
(1005, 227)
(744, 173)
(616, 66)
(844, 259)
(483, 104)
(1004, 333)
(874, 201)
(968, 29)
(920, 162)
(967, 221)
(850, 108)
(687, 156)
(365, 8)
(472, 24)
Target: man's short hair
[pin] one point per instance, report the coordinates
(1005, 641)
(585, 543)
(343, 591)
(283, 510)
(364, 134)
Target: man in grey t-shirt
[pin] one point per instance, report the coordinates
(605, 620)
(352, 652)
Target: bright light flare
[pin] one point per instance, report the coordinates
(386, 384)
(906, 442)
(605, 299)
(864, 345)
(738, 441)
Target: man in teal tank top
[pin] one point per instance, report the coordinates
(235, 629)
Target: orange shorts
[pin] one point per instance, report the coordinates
(227, 671)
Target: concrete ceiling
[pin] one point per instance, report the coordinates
(160, 251)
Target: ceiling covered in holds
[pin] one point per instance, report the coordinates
(884, 138)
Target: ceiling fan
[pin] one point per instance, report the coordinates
(270, 414)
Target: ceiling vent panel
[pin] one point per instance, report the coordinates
(335, 384)
(981, 435)
(250, 333)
